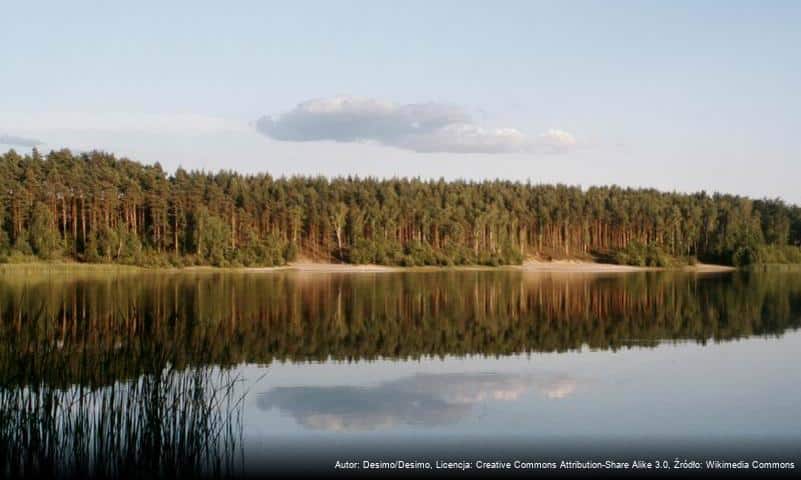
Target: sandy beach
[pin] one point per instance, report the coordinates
(564, 266)
(305, 266)
(591, 267)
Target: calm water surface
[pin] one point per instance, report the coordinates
(176, 373)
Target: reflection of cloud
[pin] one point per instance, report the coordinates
(359, 408)
(423, 127)
(560, 388)
(428, 400)
(461, 388)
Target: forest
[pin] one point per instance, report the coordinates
(95, 207)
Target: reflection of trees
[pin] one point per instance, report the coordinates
(102, 374)
(219, 318)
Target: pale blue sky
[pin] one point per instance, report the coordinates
(673, 95)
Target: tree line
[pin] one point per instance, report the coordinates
(94, 207)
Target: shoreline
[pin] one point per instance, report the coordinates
(596, 267)
(556, 266)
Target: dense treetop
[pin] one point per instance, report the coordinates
(94, 207)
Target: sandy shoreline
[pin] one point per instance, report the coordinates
(530, 266)
(558, 266)
(590, 267)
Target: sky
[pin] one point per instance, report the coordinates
(685, 96)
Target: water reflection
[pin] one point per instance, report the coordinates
(101, 374)
(227, 319)
(422, 400)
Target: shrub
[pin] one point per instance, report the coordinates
(44, 239)
(291, 252)
(21, 244)
(744, 256)
(641, 255)
(421, 253)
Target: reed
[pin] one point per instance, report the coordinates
(166, 423)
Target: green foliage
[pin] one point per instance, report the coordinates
(637, 254)
(458, 254)
(767, 254)
(108, 244)
(97, 208)
(365, 251)
(746, 255)
(15, 256)
(214, 237)
(21, 244)
(291, 252)
(780, 254)
(44, 239)
(511, 254)
(5, 243)
(92, 250)
(267, 252)
(131, 251)
(418, 254)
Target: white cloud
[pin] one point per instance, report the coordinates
(16, 141)
(424, 127)
(556, 141)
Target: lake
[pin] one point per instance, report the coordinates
(186, 373)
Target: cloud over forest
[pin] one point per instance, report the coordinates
(422, 127)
